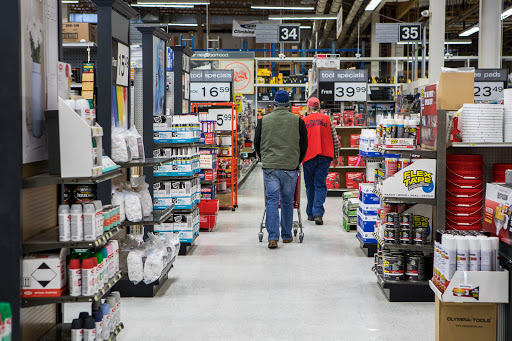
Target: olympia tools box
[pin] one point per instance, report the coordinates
(44, 275)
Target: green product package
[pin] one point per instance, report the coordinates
(6, 315)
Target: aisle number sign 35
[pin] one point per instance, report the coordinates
(488, 91)
(409, 32)
(350, 92)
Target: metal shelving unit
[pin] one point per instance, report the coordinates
(425, 153)
(62, 332)
(49, 180)
(49, 240)
(185, 248)
(158, 217)
(369, 249)
(36, 301)
(147, 162)
(427, 248)
(404, 291)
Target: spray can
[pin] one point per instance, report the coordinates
(399, 128)
(64, 223)
(105, 310)
(88, 280)
(99, 217)
(413, 130)
(406, 128)
(75, 277)
(77, 228)
(98, 323)
(495, 242)
(106, 274)
(111, 301)
(89, 214)
(111, 267)
(101, 264)
(77, 330)
(117, 296)
(462, 253)
(6, 320)
(391, 167)
(115, 249)
(451, 256)
(89, 329)
(486, 254)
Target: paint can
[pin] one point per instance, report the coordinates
(415, 267)
(420, 235)
(391, 165)
(405, 234)
(391, 235)
(393, 267)
(402, 163)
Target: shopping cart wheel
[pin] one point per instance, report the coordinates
(295, 232)
(260, 236)
(301, 237)
(233, 209)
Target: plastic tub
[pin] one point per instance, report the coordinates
(473, 227)
(464, 202)
(464, 157)
(465, 183)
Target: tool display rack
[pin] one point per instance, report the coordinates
(227, 199)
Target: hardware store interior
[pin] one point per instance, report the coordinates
(256, 170)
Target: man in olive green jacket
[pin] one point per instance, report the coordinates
(281, 142)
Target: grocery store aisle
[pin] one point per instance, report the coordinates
(231, 287)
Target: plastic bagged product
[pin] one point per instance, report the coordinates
(132, 206)
(139, 185)
(131, 139)
(169, 245)
(118, 200)
(135, 265)
(156, 259)
(120, 148)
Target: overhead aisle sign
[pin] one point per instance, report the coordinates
(343, 85)
(394, 33)
(489, 84)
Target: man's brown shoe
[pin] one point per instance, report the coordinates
(286, 241)
(272, 244)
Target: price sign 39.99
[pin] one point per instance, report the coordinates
(210, 92)
(350, 92)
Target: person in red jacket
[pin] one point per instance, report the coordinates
(323, 147)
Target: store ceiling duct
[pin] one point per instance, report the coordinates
(335, 8)
(364, 20)
(348, 20)
(320, 9)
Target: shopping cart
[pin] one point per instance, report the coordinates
(296, 205)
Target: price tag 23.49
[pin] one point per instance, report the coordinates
(350, 92)
(488, 91)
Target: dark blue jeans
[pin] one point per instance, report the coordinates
(315, 174)
(279, 184)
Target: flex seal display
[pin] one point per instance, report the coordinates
(414, 181)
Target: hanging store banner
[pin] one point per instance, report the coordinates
(387, 33)
(244, 28)
(489, 84)
(267, 33)
(339, 22)
(243, 73)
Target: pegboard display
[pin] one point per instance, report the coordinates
(75, 56)
(137, 100)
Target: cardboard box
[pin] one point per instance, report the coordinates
(455, 89)
(74, 32)
(352, 161)
(498, 208)
(466, 321)
(354, 140)
(348, 118)
(44, 275)
(415, 181)
(333, 180)
(354, 179)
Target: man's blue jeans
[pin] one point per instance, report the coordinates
(315, 174)
(279, 184)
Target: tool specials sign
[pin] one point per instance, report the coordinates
(343, 85)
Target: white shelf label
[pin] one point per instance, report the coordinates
(344, 92)
(210, 92)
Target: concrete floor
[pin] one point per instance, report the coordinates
(231, 287)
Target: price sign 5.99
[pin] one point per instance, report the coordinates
(346, 92)
(210, 92)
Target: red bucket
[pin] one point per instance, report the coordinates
(463, 212)
(453, 219)
(454, 226)
(502, 166)
(464, 173)
(465, 183)
(464, 192)
(464, 202)
(464, 157)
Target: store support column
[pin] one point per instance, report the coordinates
(490, 34)
(375, 46)
(11, 171)
(436, 39)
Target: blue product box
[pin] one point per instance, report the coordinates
(365, 225)
(174, 170)
(368, 212)
(366, 237)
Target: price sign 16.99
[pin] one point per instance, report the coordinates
(210, 92)
(346, 92)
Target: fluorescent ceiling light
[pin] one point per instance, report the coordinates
(172, 3)
(372, 5)
(469, 31)
(506, 13)
(164, 6)
(458, 42)
(305, 26)
(177, 24)
(285, 8)
(302, 17)
(69, 1)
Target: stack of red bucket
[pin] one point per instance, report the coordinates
(464, 192)
(499, 171)
(208, 213)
